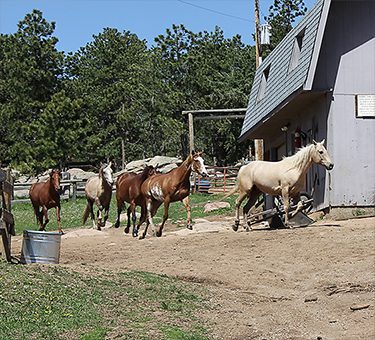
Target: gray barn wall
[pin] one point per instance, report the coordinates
(347, 64)
(313, 121)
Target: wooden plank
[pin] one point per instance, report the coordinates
(8, 188)
(6, 243)
(8, 217)
(3, 175)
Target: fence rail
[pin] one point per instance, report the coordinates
(220, 179)
(6, 218)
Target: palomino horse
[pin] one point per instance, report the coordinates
(171, 187)
(98, 190)
(46, 195)
(285, 178)
(128, 189)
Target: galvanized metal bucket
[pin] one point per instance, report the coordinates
(40, 247)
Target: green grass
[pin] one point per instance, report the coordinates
(72, 211)
(51, 302)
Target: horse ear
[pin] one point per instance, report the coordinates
(323, 141)
(314, 141)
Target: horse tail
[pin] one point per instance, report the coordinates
(230, 193)
(86, 214)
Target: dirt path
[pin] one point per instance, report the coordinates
(265, 284)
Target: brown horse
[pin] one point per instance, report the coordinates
(128, 189)
(45, 195)
(98, 190)
(171, 187)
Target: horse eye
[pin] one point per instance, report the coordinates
(321, 152)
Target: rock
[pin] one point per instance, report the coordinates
(311, 298)
(215, 206)
(76, 173)
(137, 166)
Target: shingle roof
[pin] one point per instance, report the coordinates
(283, 82)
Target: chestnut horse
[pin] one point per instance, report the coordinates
(128, 189)
(98, 190)
(171, 187)
(45, 195)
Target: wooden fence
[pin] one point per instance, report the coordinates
(71, 189)
(221, 179)
(6, 218)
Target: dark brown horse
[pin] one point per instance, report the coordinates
(171, 187)
(45, 195)
(128, 189)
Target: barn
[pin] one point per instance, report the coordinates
(319, 83)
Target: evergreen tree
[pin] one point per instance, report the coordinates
(282, 15)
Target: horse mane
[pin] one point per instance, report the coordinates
(145, 172)
(187, 161)
(301, 157)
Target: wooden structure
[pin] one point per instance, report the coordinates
(6, 217)
(213, 114)
(318, 83)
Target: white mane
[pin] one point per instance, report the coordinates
(301, 157)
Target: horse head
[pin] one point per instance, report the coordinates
(106, 172)
(321, 156)
(55, 177)
(198, 164)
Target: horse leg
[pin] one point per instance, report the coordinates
(92, 215)
(186, 202)
(120, 207)
(165, 217)
(106, 213)
(46, 220)
(285, 195)
(58, 219)
(253, 196)
(99, 223)
(239, 200)
(142, 219)
(38, 215)
(148, 218)
(134, 219)
(126, 230)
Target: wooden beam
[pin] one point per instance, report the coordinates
(220, 117)
(214, 111)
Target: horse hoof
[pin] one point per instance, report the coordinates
(117, 224)
(236, 225)
(189, 226)
(141, 237)
(126, 230)
(135, 233)
(158, 233)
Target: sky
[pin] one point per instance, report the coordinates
(78, 20)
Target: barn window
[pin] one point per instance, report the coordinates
(297, 48)
(263, 83)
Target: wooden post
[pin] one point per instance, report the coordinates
(74, 194)
(258, 143)
(6, 218)
(122, 153)
(258, 51)
(191, 131)
(258, 146)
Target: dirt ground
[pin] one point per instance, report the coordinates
(299, 283)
